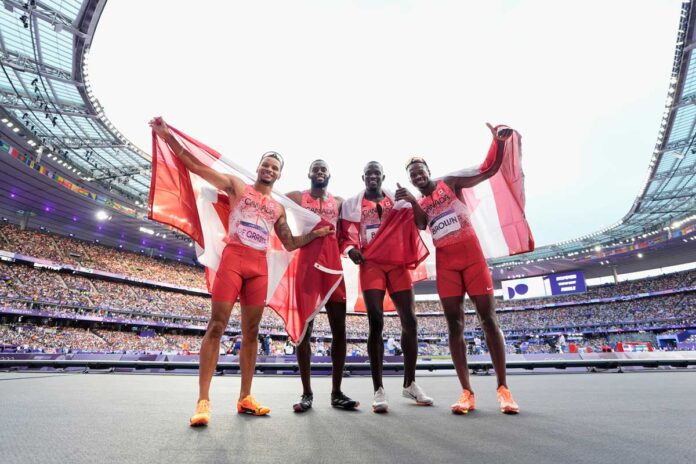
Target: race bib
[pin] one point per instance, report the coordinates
(444, 224)
(371, 231)
(252, 235)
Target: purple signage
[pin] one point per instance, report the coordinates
(566, 283)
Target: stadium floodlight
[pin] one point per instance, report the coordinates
(102, 215)
(640, 255)
(145, 230)
(16, 129)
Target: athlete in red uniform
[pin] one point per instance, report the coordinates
(375, 280)
(242, 271)
(461, 267)
(318, 200)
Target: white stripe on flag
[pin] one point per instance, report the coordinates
(487, 224)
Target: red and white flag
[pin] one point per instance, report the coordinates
(397, 242)
(497, 204)
(497, 213)
(190, 204)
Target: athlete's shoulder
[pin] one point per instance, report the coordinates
(295, 196)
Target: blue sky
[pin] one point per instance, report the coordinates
(351, 81)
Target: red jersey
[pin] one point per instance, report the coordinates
(326, 208)
(448, 217)
(252, 219)
(370, 219)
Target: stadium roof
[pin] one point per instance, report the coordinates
(666, 204)
(52, 119)
(43, 49)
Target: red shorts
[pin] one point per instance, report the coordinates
(461, 268)
(243, 273)
(339, 295)
(375, 276)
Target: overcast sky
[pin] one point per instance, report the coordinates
(351, 81)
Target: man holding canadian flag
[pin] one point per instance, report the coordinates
(379, 235)
(448, 209)
(203, 194)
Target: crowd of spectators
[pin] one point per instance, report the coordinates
(67, 250)
(59, 291)
(58, 339)
(26, 337)
(71, 296)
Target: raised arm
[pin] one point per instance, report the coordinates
(225, 182)
(293, 242)
(459, 182)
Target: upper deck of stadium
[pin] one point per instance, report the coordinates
(62, 158)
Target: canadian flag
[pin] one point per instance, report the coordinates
(297, 288)
(497, 204)
(397, 242)
(497, 213)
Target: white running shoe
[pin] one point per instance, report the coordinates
(380, 404)
(416, 393)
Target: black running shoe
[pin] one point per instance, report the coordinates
(339, 400)
(304, 404)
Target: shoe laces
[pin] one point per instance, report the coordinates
(203, 406)
(505, 395)
(465, 396)
(251, 401)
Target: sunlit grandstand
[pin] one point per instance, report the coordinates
(89, 284)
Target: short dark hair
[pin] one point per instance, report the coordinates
(317, 161)
(374, 162)
(274, 155)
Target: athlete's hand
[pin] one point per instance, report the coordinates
(355, 256)
(159, 126)
(501, 134)
(403, 194)
(323, 231)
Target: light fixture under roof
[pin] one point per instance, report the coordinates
(102, 215)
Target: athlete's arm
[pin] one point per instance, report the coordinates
(295, 196)
(459, 182)
(419, 216)
(345, 242)
(225, 182)
(293, 242)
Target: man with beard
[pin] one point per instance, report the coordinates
(374, 205)
(461, 266)
(318, 200)
(243, 268)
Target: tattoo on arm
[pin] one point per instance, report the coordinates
(289, 241)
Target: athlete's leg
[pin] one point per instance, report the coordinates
(336, 311)
(304, 352)
(210, 346)
(404, 302)
(454, 313)
(374, 301)
(251, 318)
(485, 309)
